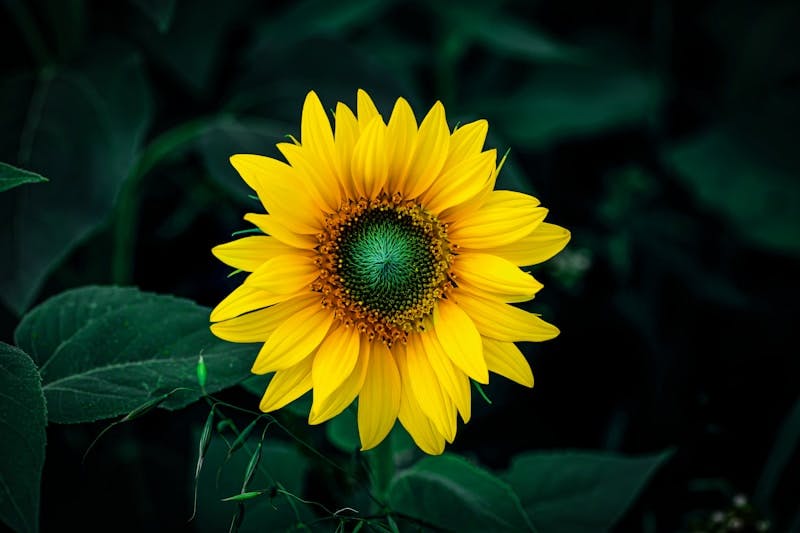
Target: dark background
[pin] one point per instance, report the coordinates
(662, 134)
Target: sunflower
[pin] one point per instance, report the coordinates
(385, 270)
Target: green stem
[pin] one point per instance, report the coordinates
(126, 219)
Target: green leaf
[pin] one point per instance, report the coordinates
(11, 177)
(560, 102)
(755, 189)
(159, 11)
(22, 423)
(82, 127)
(576, 492)
(452, 493)
(103, 351)
(507, 34)
(192, 46)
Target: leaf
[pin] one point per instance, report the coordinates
(103, 351)
(22, 423)
(508, 35)
(452, 493)
(83, 131)
(751, 188)
(11, 177)
(577, 492)
(565, 101)
(159, 11)
(311, 18)
(192, 46)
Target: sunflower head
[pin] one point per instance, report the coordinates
(386, 270)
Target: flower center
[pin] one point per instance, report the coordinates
(383, 264)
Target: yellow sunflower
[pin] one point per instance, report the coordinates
(386, 270)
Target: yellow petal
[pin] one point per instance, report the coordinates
(369, 167)
(504, 358)
(259, 325)
(322, 411)
(466, 142)
(504, 322)
(322, 185)
(505, 217)
(452, 379)
(379, 399)
(460, 339)
(284, 274)
(272, 226)
(287, 385)
(366, 109)
(419, 426)
(401, 134)
(244, 299)
(495, 277)
(347, 133)
(249, 253)
(294, 339)
(334, 362)
(430, 152)
(315, 131)
(281, 189)
(460, 183)
(428, 391)
(540, 245)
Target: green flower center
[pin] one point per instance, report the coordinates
(386, 262)
(383, 264)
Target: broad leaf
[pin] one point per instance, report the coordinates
(565, 101)
(454, 494)
(83, 129)
(103, 351)
(22, 424)
(755, 188)
(11, 177)
(159, 11)
(575, 492)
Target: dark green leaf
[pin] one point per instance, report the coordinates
(507, 34)
(565, 101)
(576, 492)
(751, 189)
(192, 46)
(83, 129)
(452, 493)
(159, 11)
(103, 351)
(11, 177)
(22, 423)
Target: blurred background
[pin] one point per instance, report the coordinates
(663, 134)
